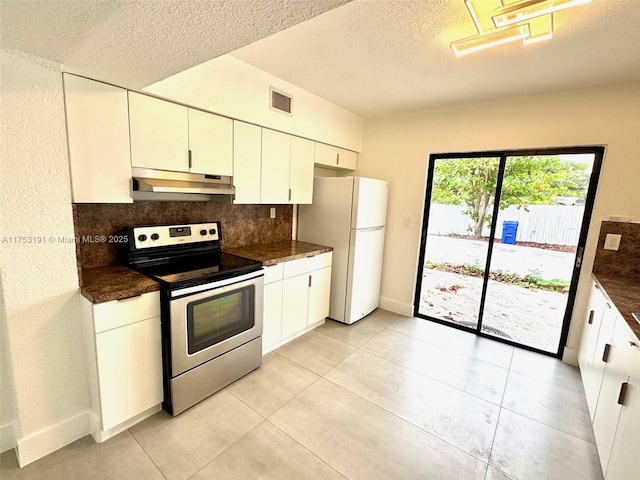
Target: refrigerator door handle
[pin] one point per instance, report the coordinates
(368, 229)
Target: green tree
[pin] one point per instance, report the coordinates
(527, 180)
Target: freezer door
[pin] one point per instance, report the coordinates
(369, 203)
(364, 272)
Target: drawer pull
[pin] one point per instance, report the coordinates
(608, 306)
(129, 298)
(623, 393)
(590, 321)
(633, 344)
(310, 280)
(605, 353)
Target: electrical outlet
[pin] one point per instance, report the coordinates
(406, 222)
(612, 242)
(272, 212)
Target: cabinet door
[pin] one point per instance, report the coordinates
(97, 117)
(211, 143)
(319, 292)
(624, 463)
(159, 133)
(608, 410)
(301, 170)
(325, 155)
(247, 152)
(591, 367)
(272, 319)
(276, 154)
(295, 298)
(346, 159)
(129, 362)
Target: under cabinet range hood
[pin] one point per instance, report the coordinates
(150, 184)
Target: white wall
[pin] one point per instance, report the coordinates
(39, 279)
(397, 149)
(233, 88)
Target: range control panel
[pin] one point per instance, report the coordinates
(168, 235)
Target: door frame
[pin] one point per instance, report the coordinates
(598, 152)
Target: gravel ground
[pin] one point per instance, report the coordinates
(529, 317)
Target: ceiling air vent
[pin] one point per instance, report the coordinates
(280, 101)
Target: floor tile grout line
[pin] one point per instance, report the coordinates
(310, 451)
(409, 422)
(227, 448)
(147, 453)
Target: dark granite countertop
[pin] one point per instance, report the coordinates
(104, 284)
(278, 252)
(624, 294)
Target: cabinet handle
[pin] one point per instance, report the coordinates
(338, 158)
(289, 194)
(189, 158)
(608, 306)
(623, 393)
(590, 321)
(605, 353)
(310, 280)
(633, 344)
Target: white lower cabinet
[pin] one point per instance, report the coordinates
(124, 355)
(609, 360)
(298, 301)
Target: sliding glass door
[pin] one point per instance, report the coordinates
(502, 242)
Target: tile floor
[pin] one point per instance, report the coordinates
(389, 397)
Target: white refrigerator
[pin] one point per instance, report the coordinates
(349, 214)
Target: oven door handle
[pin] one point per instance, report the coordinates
(217, 284)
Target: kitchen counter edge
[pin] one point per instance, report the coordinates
(114, 282)
(278, 252)
(624, 295)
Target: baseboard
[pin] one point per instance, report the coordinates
(100, 435)
(396, 307)
(284, 341)
(46, 441)
(570, 356)
(8, 436)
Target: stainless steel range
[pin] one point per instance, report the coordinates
(212, 305)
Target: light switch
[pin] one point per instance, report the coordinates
(612, 241)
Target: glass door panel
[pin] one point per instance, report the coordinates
(462, 193)
(541, 211)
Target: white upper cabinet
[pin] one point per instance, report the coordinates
(334, 157)
(98, 138)
(276, 155)
(211, 143)
(301, 170)
(159, 133)
(247, 151)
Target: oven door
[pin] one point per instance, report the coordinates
(212, 319)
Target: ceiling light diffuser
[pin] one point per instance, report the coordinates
(524, 10)
(504, 21)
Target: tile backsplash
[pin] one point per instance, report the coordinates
(626, 260)
(241, 225)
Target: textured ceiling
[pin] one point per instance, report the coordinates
(375, 57)
(136, 43)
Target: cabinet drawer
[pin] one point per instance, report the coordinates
(118, 313)
(626, 342)
(273, 273)
(306, 265)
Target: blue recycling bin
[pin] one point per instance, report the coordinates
(509, 231)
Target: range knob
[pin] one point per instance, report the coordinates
(203, 232)
(212, 231)
(155, 236)
(142, 237)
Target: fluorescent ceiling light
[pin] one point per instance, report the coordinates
(522, 11)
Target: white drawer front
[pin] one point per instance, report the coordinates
(320, 261)
(273, 273)
(118, 313)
